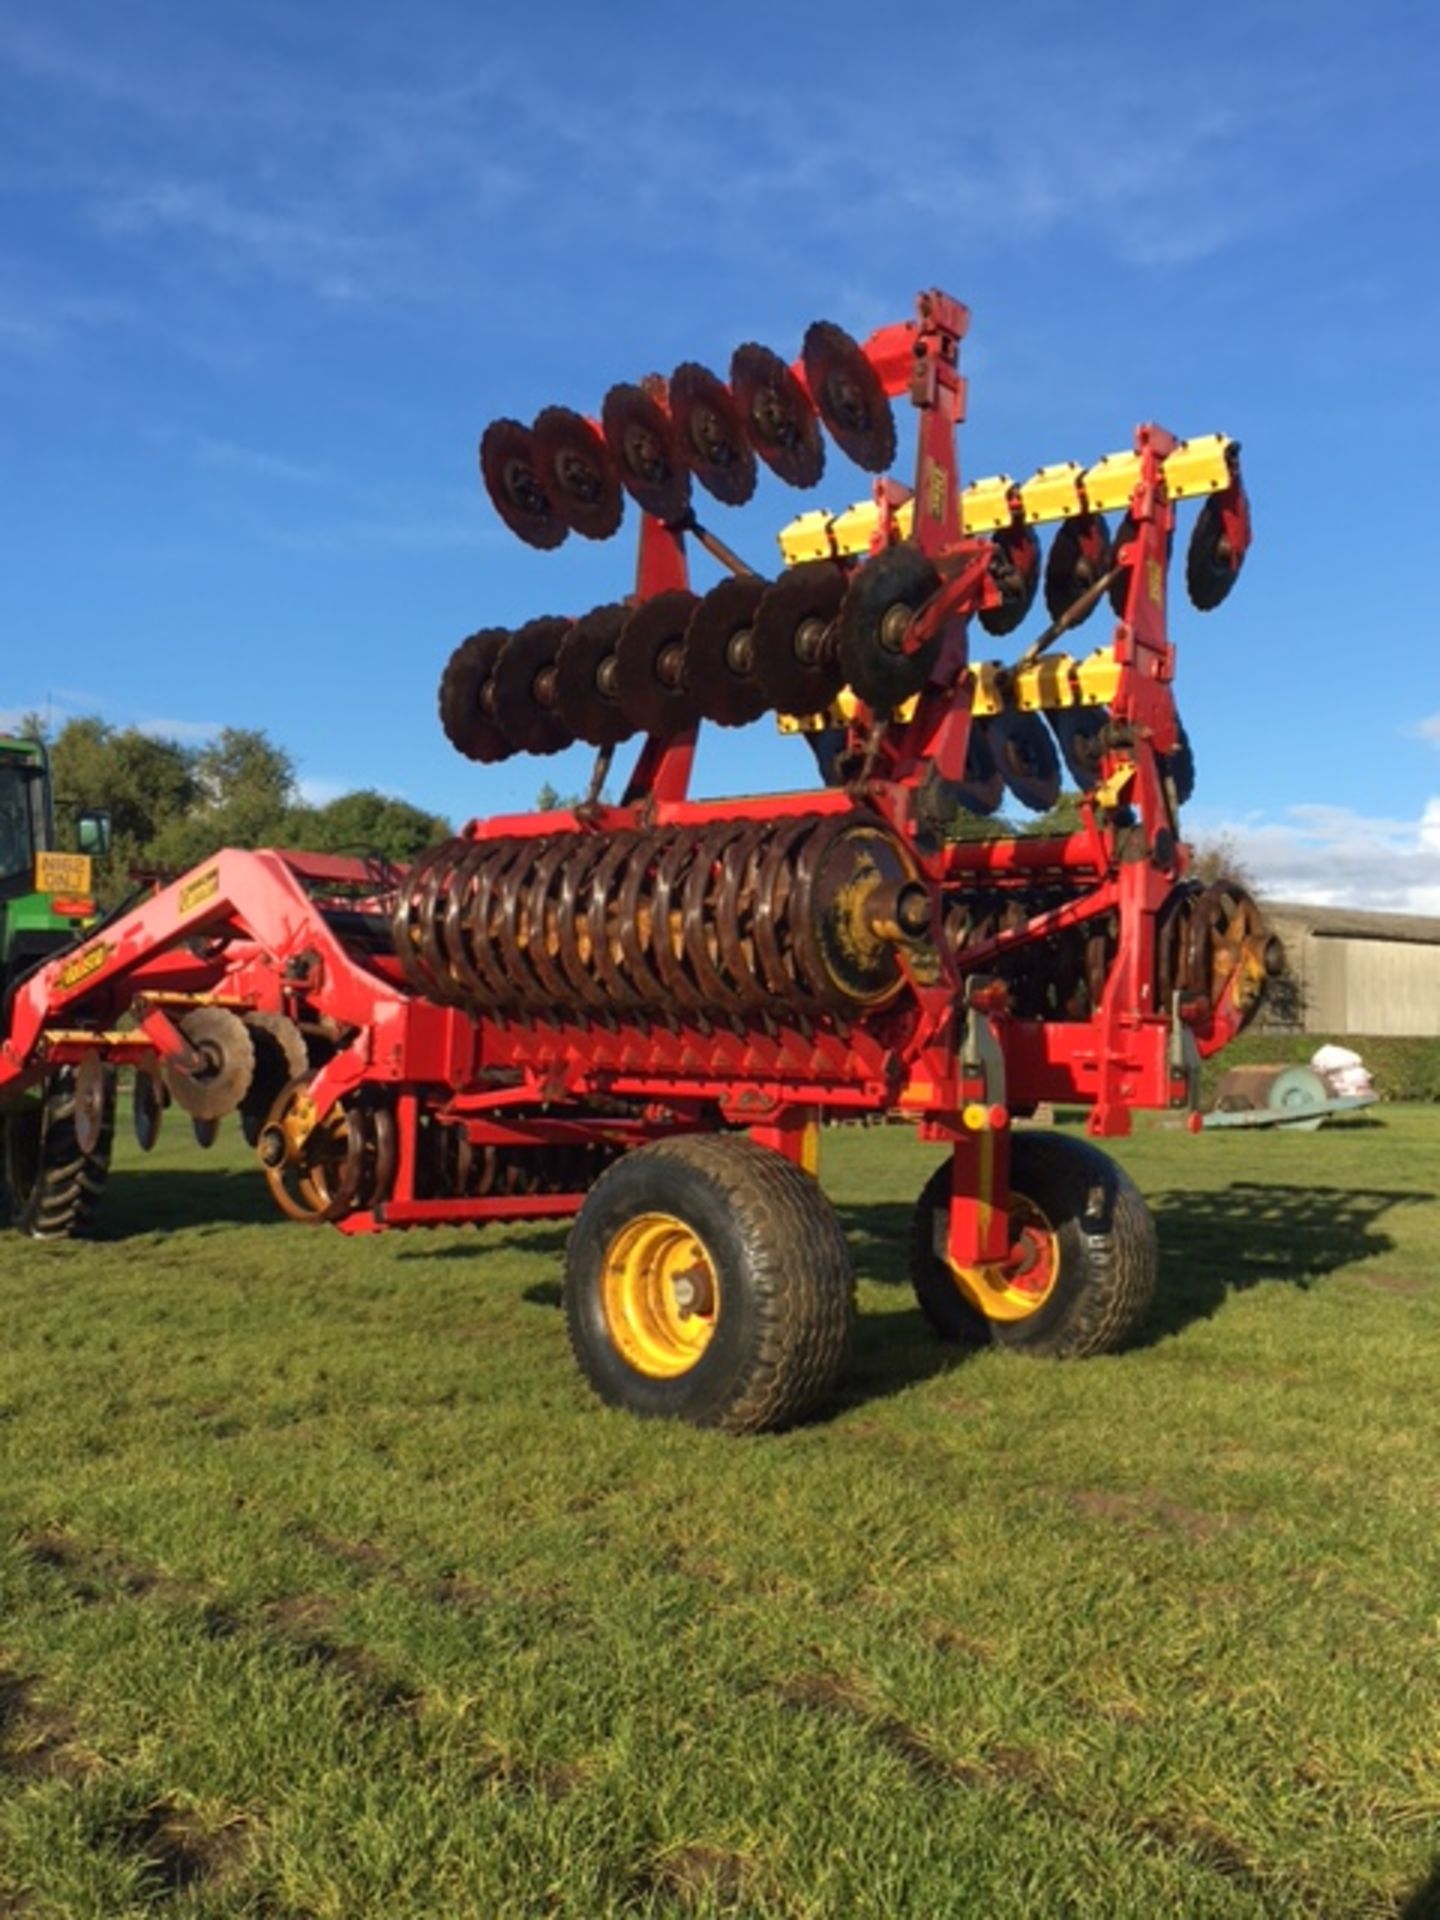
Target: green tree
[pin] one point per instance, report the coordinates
(366, 822)
(146, 784)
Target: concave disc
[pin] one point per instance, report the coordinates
(650, 665)
(720, 663)
(880, 601)
(466, 693)
(1209, 575)
(1180, 765)
(148, 1106)
(585, 674)
(778, 415)
(1079, 555)
(983, 787)
(577, 471)
(1025, 754)
(1078, 729)
(525, 686)
(94, 1101)
(1015, 569)
(849, 397)
(711, 432)
(796, 657)
(220, 1081)
(508, 468)
(280, 1057)
(641, 437)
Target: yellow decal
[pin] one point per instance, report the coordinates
(83, 966)
(1155, 580)
(196, 892)
(62, 873)
(934, 490)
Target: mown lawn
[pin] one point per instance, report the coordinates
(327, 1591)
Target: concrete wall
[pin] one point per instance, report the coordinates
(1357, 978)
(1372, 986)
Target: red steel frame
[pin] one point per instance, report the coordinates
(260, 931)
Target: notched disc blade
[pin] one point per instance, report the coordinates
(1015, 569)
(983, 787)
(880, 602)
(1078, 729)
(577, 471)
(720, 653)
(525, 678)
(778, 415)
(1180, 765)
(1079, 555)
(512, 480)
(796, 648)
(280, 1057)
(650, 665)
(711, 432)
(206, 1132)
(147, 1109)
(467, 690)
(94, 1101)
(585, 678)
(851, 401)
(1026, 757)
(226, 1066)
(642, 440)
(1209, 575)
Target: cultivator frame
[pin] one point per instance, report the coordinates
(478, 1038)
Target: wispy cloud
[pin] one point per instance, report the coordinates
(187, 732)
(1429, 729)
(1336, 856)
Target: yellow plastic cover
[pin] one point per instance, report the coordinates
(1198, 466)
(985, 504)
(1053, 493)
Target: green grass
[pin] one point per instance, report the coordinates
(327, 1591)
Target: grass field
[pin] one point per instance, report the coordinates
(327, 1591)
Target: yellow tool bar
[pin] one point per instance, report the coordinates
(1054, 493)
(1046, 686)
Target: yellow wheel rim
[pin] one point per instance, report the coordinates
(1020, 1285)
(660, 1294)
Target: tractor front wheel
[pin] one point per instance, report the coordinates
(1081, 1274)
(54, 1182)
(707, 1280)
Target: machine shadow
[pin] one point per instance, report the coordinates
(1424, 1902)
(1252, 1233)
(138, 1202)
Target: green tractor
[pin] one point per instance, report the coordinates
(56, 1139)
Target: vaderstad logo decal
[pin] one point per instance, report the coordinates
(83, 966)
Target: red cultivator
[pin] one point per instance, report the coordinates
(640, 1012)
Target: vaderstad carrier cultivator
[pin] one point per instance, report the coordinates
(638, 1013)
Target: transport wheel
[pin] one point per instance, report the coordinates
(54, 1184)
(1081, 1273)
(707, 1280)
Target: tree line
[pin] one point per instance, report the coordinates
(172, 805)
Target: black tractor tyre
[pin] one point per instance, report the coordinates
(53, 1186)
(1105, 1239)
(784, 1290)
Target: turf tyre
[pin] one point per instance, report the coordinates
(53, 1185)
(1105, 1241)
(784, 1283)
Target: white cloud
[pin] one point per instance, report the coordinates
(316, 791)
(1334, 856)
(1429, 729)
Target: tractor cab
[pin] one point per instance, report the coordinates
(46, 895)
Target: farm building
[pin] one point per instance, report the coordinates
(1359, 973)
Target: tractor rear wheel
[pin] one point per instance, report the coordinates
(54, 1183)
(1082, 1271)
(707, 1280)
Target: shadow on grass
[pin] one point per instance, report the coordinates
(1424, 1902)
(1213, 1244)
(168, 1197)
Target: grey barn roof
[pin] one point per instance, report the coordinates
(1340, 922)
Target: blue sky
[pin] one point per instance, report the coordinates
(266, 271)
